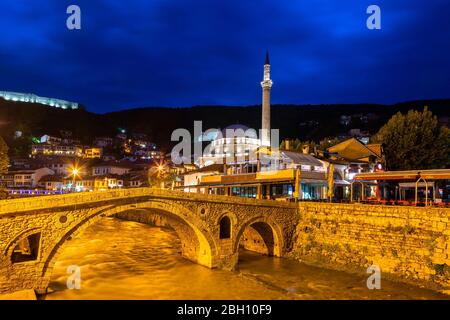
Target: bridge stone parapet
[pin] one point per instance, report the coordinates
(411, 243)
(56, 201)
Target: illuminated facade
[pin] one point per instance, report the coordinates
(32, 98)
(92, 153)
(108, 169)
(23, 178)
(93, 183)
(239, 146)
(272, 176)
(44, 149)
(47, 149)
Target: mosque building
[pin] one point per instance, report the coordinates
(239, 162)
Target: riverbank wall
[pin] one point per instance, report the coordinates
(410, 244)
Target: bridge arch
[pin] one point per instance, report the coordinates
(226, 220)
(21, 237)
(225, 227)
(270, 236)
(197, 244)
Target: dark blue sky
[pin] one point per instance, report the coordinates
(139, 53)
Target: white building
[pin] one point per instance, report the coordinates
(193, 178)
(32, 98)
(50, 139)
(26, 179)
(52, 182)
(45, 149)
(107, 169)
(234, 143)
(59, 166)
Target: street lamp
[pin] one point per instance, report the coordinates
(160, 171)
(75, 172)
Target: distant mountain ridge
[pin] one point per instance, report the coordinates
(307, 122)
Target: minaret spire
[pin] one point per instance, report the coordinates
(266, 85)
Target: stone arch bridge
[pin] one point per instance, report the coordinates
(34, 231)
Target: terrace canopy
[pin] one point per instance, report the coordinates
(435, 174)
(418, 176)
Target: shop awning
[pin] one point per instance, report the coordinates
(341, 183)
(413, 185)
(435, 174)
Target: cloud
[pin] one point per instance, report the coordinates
(190, 52)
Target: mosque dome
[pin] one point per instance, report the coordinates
(234, 127)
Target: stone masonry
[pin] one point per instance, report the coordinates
(408, 243)
(55, 220)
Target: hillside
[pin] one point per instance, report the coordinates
(311, 122)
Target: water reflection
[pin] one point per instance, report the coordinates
(128, 260)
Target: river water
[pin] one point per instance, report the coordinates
(129, 260)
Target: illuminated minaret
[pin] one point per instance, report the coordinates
(266, 85)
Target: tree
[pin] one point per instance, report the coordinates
(4, 160)
(294, 144)
(4, 163)
(297, 145)
(159, 176)
(414, 141)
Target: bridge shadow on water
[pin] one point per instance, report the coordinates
(130, 260)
